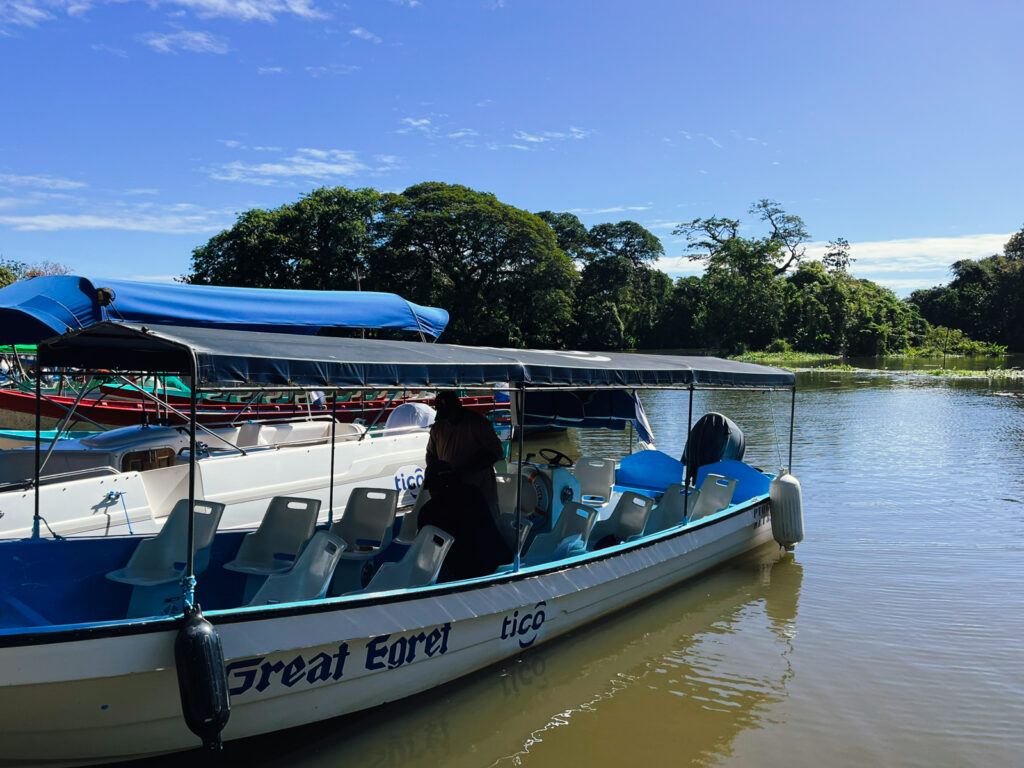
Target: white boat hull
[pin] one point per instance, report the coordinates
(138, 502)
(108, 694)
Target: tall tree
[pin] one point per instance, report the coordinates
(716, 240)
(496, 268)
(621, 296)
(320, 242)
(570, 234)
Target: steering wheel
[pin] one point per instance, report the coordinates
(555, 458)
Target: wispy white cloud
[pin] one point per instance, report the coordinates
(104, 48)
(269, 70)
(365, 34)
(463, 133)
(423, 125)
(39, 182)
(192, 41)
(142, 191)
(546, 136)
(610, 209)
(917, 254)
(174, 220)
(407, 3)
(31, 13)
(305, 163)
(332, 69)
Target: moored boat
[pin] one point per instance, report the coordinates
(81, 682)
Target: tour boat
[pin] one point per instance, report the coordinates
(105, 654)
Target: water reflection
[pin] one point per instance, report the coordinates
(670, 681)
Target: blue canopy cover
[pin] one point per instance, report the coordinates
(38, 308)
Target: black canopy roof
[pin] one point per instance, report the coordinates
(227, 358)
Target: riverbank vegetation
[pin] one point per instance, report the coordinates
(509, 277)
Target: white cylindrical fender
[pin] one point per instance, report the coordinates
(787, 510)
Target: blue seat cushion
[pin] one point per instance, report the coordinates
(649, 470)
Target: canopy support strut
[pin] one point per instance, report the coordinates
(188, 583)
(521, 431)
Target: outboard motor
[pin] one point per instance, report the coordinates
(202, 681)
(713, 438)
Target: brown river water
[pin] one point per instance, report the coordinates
(892, 636)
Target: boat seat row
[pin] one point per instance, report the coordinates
(285, 559)
(634, 515)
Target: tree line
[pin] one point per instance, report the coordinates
(509, 277)
(985, 298)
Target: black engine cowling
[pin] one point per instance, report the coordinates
(713, 438)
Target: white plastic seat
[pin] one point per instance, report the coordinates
(596, 477)
(419, 566)
(507, 494)
(157, 565)
(574, 522)
(410, 520)
(671, 509)
(507, 528)
(368, 519)
(366, 526)
(715, 495)
(287, 525)
(627, 519)
(308, 578)
(161, 559)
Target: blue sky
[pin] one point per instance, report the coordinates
(130, 132)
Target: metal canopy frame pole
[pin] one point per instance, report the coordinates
(521, 430)
(38, 466)
(188, 583)
(792, 417)
(62, 425)
(330, 481)
(686, 481)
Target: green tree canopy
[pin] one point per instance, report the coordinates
(321, 242)
(496, 268)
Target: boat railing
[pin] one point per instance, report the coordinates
(60, 477)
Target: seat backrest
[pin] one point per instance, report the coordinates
(287, 525)
(410, 520)
(631, 513)
(308, 578)
(368, 518)
(575, 519)
(507, 494)
(167, 551)
(671, 509)
(596, 476)
(715, 495)
(420, 565)
(507, 528)
(572, 530)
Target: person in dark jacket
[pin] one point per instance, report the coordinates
(467, 441)
(459, 508)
